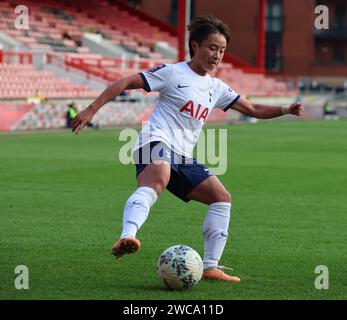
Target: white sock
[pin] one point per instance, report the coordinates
(136, 210)
(215, 231)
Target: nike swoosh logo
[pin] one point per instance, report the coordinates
(179, 86)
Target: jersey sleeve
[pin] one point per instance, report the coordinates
(157, 78)
(227, 98)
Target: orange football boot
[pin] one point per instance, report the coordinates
(126, 245)
(218, 274)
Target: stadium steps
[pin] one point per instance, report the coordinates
(48, 30)
(58, 27)
(106, 48)
(129, 31)
(20, 81)
(77, 77)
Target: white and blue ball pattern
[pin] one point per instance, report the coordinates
(179, 267)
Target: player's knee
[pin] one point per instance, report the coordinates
(224, 196)
(227, 197)
(217, 196)
(159, 184)
(159, 188)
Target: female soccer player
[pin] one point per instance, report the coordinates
(163, 151)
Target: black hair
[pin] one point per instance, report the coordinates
(202, 27)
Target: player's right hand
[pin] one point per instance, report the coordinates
(296, 109)
(82, 119)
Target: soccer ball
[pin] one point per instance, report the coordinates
(179, 267)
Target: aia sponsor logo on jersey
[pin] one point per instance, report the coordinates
(196, 111)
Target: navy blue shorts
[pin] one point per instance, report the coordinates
(186, 173)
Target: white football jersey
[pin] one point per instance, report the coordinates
(185, 101)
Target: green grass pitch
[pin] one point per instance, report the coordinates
(61, 206)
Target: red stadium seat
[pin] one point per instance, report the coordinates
(22, 81)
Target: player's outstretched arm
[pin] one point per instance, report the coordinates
(261, 111)
(112, 91)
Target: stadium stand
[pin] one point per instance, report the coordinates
(58, 29)
(107, 68)
(113, 69)
(25, 116)
(129, 31)
(20, 81)
(11, 113)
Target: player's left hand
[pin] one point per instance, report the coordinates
(296, 109)
(82, 119)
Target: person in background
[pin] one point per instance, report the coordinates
(71, 114)
(329, 111)
(37, 98)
